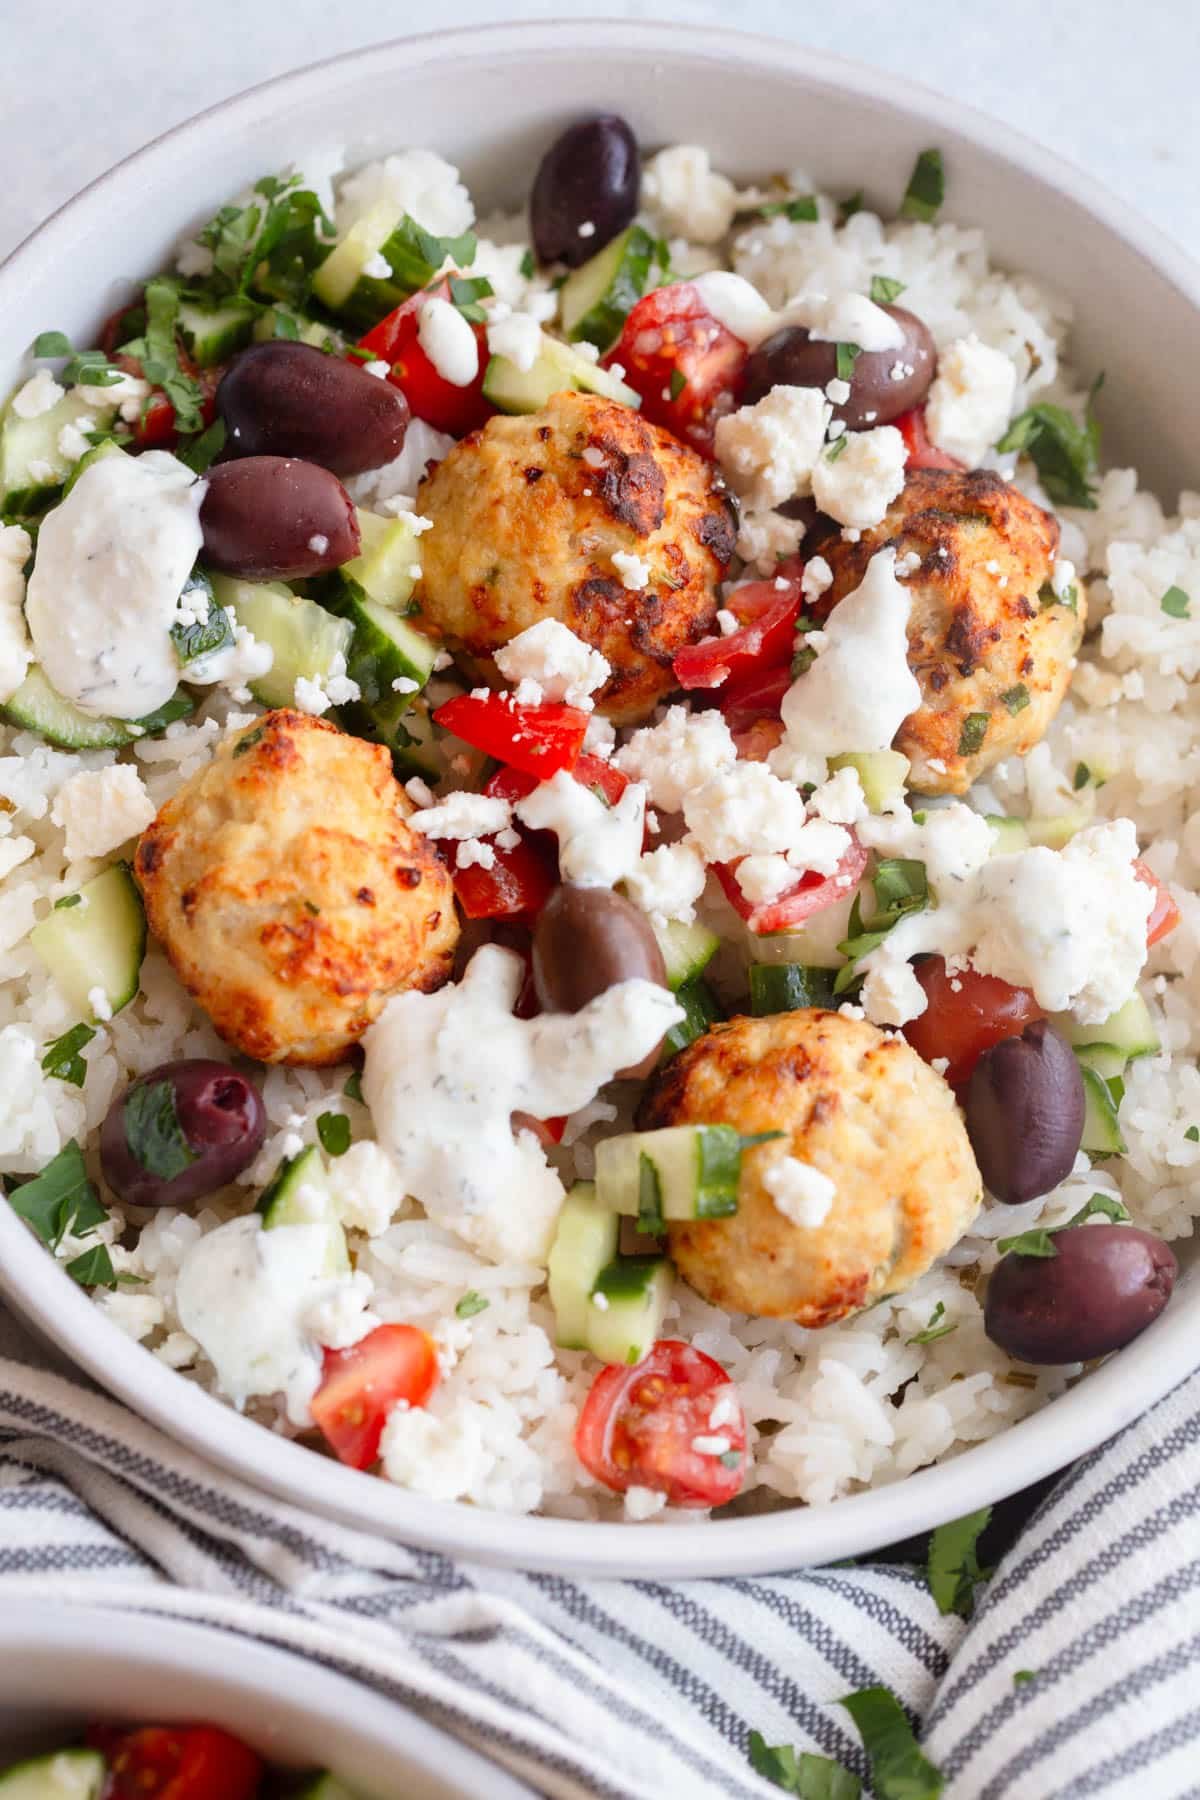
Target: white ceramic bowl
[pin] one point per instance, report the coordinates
(64, 1668)
(491, 100)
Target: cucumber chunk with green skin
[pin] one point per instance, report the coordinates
(696, 1168)
(403, 728)
(514, 390)
(108, 447)
(1109, 1062)
(585, 1242)
(1055, 832)
(628, 1301)
(596, 299)
(215, 333)
(32, 466)
(1009, 835)
(1101, 1126)
(882, 773)
(687, 950)
(700, 1010)
(36, 707)
(63, 1775)
(97, 943)
(385, 649)
(305, 638)
(342, 270)
(785, 987)
(284, 323)
(1130, 1029)
(299, 1193)
(385, 570)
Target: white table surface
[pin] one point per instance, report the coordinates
(1108, 83)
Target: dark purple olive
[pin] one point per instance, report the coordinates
(586, 940)
(284, 399)
(1103, 1286)
(1024, 1113)
(274, 518)
(791, 358)
(586, 190)
(180, 1132)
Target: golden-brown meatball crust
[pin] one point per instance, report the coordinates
(289, 893)
(986, 637)
(527, 514)
(858, 1105)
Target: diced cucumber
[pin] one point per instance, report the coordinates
(299, 1194)
(687, 950)
(32, 466)
(385, 649)
(1009, 835)
(815, 943)
(694, 1168)
(62, 1775)
(1054, 832)
(1130, 1029)
(323, 1787)
(386, 568)
(342, 270)
(213, 333)
(700, 1009)
(284, 322)
(625, 1314)
(98, 942)
(37, 707)
(882, 773)
(595, 300)
(106, 447)
(585, 1242)
(785, 987)
(1101, 1126)
(1108, 1062)
(401, 726)
(305, 638)
(515, 390)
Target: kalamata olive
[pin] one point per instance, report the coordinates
(285, 399)
(274, 518)
(791, 358)
(1024, 1113)
(1103, 1286)
(179, 1132)
(585, 941)
(586, 190)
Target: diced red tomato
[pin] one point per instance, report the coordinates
(811, 894)
(432, 398)
(361, 1385)
(687, 366)
(589, 772)
(757, 695)
(767, 619)
(540, 740)
(1164, 914)
(154, 428)
(188, 1762)
(965, 1014)
(548, 1132)
(638, 1425)
(921, 453)
(518, 884)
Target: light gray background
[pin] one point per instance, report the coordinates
(1108, 83)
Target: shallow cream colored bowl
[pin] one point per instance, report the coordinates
(492, 100)
(65, 1667)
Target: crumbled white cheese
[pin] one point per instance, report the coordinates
(561, 664)
(678, 755)
(817, 578)
(100, 1004)
(857, 486)
(742, 810)
(598, 844)
(837, 391)
(971, 399)
(417, 182)
(448, 341)
(418, 791)
(73, 439)
(840, 799)
(634, 570)
(340, 1316)
(768, 450)
(667, 882)
(463, 815)
(377, 267)
(817, 847)
(765, 537)
(801, 1193)
(473, 853)
(860, 689)
(518, 338)
(367, 1188)
(380, 370)
(318, 543)
(128, 393)
(686, 195)
(100, 809)
(40, 394)
(335, 688)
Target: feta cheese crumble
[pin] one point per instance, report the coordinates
(858, 485)
(667, 882)
(971, 399)
(40, 394)
(558, 662)
(769, 450)
(462, 815)
(100, 809)
(517, 337)
(598, 844)
(633, 570)
(686, 195)
(678, 755)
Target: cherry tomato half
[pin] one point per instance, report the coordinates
(1164, 914)
(687, 366)
(539, 740)
(456, 410)
(921, 453)
(811, 894)
(517, 885)
(361, 1385)
(639, 1425)
(190, 1762)
(589, 772)
(746, 699)
(767, 627)
(965, 1014)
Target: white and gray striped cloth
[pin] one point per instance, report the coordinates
(649, 1690)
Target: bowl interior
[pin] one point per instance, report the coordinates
(491, 100)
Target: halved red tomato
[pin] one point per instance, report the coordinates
(456, 410)
(687, 366)
(757, 695)
(1164, 914)
(811, 894)
(589, 772)
(921, 453)
(517, 885)
(188, 1762)
(539, 740)
(965, 1014)
(361, 1385)
(766, 615)
(640, 1427)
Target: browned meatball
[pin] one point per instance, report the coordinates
(289, 893)
(854, 1103)
(990, 644)
(527, 516)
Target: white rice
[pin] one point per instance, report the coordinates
(829, 1411)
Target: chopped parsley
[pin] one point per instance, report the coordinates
(899, 1770)
(158, 353)
(1192, 1134)
(248, 742)
(86, 368)
(853, 205)
(93, 1268)
(1064, 452)
(470, 1304)
(974, 730)
(466, 293)
(926, 188)
(62, 1057)
(200, 637)
(52, 343)
(953, 1568)
(1016, 699)
(333, 1129)
(1048, 596)
(1081, 776)
(273, 244)
(528, 266)
(901, 888)
(1040, 1240)
(938, 1327)
(353, 1088)
(1176, 604)
(62, 1200)
(800, 209)
(1022, 1677)
(200, 454)
(153, 1134)
(834, 450)
(885, 289)
(67, 900)
(678, 383)
(847, 356)
(800, 1772)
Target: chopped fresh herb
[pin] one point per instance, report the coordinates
(1022, 1677)
(62, 1057)
(885, 289)
(953, 1568)
(1081, 776)
(926, 188)
(938, 1327)
(811, 1777)
(1192, 1134)
(353, 1088)
(1176, 603)
(731, 1459)
(801, 209)
(314, 912)
(528, 266)
(747, 1140)
(1040, 1241)
(1016, 698)
(899, 1771)
(678, 383)
(153, 1134)
(901, 888)
(158, 353)
(93, 1268)
(359, 354)
(974, 730)
(67, 900)
(200, 637)
(1064, 452)
(52, 343)
(466, 292)
(1049, 596)
(285, 324)
(274, 248)
(333, 1129)
(59, 1200)
(470, 1304)
(650, 1213)
(202, 451)
(248, 742)
(834, 450)
(853, 205)
(847, 356)
(919, 818)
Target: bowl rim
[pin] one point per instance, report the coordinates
(797, 1535)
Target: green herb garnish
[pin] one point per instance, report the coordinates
(678, 383)
(1081, 776)
(926, 188)
(466, 292)
(470, 1304)
(93, 1268)
(248, 742)
(885, 289)
(847, 356)
(901, 888)
(1016, 698)
(62, 1057)
(200, 454)
(1022, 1677)
(52, 343)
(1192, 1134)
(528, 266)
(67, 900)
(938, 1327)
(1176, 604)
(333, 1129)
(1064, 452)
(811, 1777)
(202, 636)
(899, 1771)
(59, 1200)
(153, 1134)
(953, 1568)
(158, 353)
(974, 730)
(353, 1088)
(834, 450)
(801, 209)
(1040, 1241)
(853, 205)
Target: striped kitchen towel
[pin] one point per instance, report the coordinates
(1077, 1677)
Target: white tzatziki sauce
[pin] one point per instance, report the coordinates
(110, 565)
(860, 690)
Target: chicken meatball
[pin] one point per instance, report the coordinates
(529, 515)
(289, 893)
(989, 641)
(853, 1103)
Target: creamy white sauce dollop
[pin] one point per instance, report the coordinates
(860, 690)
